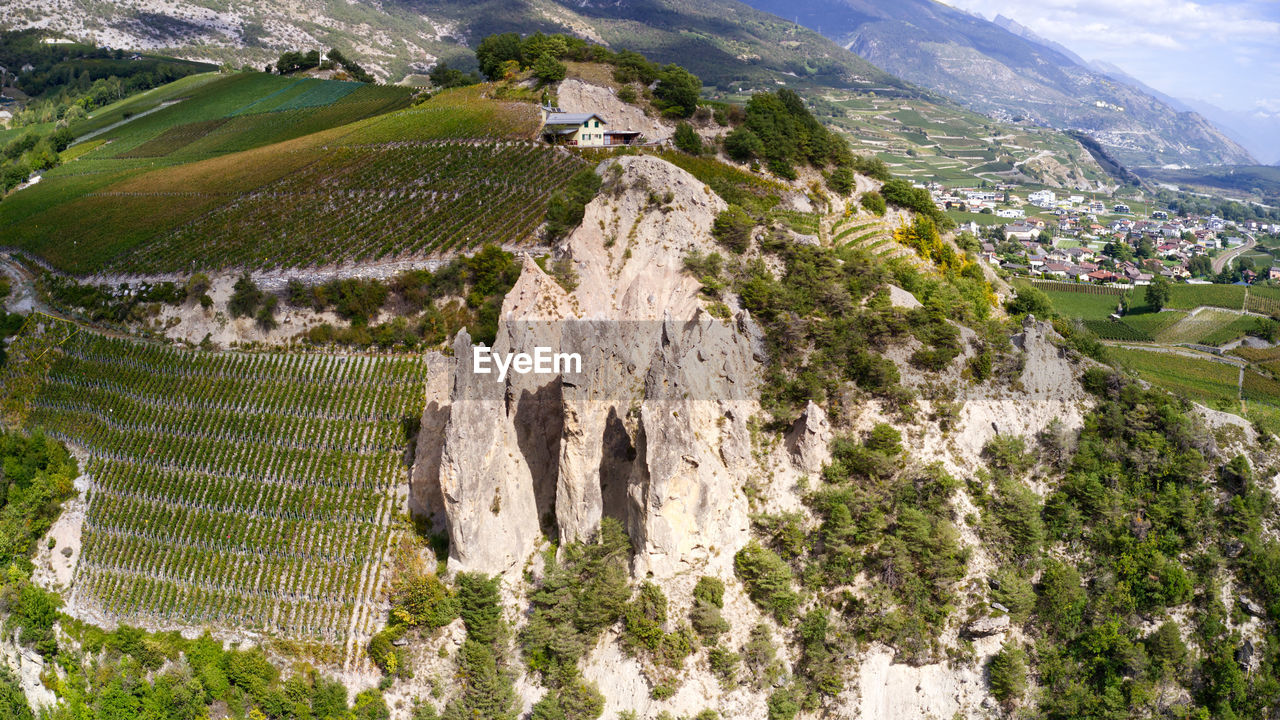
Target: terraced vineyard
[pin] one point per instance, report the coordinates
(870, 234)
(241, 491)
(373, 201)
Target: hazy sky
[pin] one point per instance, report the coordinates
(1224, 51)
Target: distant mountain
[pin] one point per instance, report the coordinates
(725, 42)
(1257, 131)
(1027, 33)
(1009, 72)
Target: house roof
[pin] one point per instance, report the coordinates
(572, 118)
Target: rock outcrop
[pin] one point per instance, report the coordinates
(809, 439)
(650, 430)
(575, 96)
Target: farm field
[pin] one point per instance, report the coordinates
(1086, 306)
(1214, 384)
(1207, 327)
(1152, 324)
(365, 182)
(249, 491)
(955, 147)
(1189, 297)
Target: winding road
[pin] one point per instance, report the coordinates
(1222, 260)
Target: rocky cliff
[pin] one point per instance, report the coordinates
(653, 428)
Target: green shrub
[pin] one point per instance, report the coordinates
(903, 194)
(710, 589)
(874, 203)
(246, 297)
(841, 181)
(479, 604)
(783, 704)
(1010, 588)
(871, 166)
(732, 228)
(1167, 650)
(1007, 672)
(686, 139)
(422, 600)
(1031, 300)
(724, 664)
(569, 698)
(743, 145)
(1060, 599)
(785, 533)
(707, 620)
(645, 618)
(578, 599)
(549, 70)
(768, 580)
(677, 91)
(566, 207)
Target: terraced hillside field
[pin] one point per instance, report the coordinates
(242, 491)
(224, 188)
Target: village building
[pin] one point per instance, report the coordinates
(582, 129)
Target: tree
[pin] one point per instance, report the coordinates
(1007, 672)
(743, 145)
(732, 228)
(677, 91)
(1030, 300)
(547, 69)
(841, 180)
(874, 202)
(768, 579)
(1158, 293)
(495, 50)
(687, 139)
(245, 297)
(442, 76)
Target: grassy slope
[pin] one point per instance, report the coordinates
(169, 192)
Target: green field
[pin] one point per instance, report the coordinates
(1211, 383)
(327, 172)
(1086, 306)
(252, 491)
(1152, 324)
(1207, 327)
(1189, 297)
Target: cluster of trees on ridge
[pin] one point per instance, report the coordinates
(294, 61)
(675, 93)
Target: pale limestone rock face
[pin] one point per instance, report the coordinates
(809, 440)
(485, 481)
(686, 512)
(652, 431)
(533, 313)
(425, 499)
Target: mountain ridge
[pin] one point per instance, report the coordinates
(999, 72)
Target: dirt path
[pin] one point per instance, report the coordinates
(118, 123)
(1178, 351)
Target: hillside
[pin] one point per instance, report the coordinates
(277, 442)
(202, 179)
(994, 71)
(725, 42)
